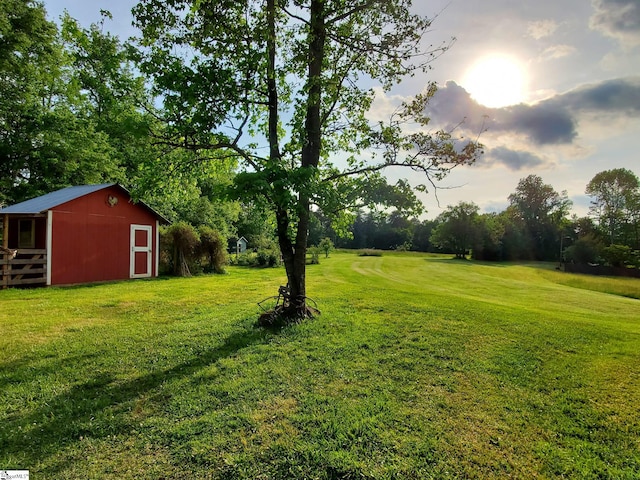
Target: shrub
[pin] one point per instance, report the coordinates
(244, 259)
(267, 258)
(185, 251)
(405, 247)
(262, 258)
(315, 255)
(583, 251)
(212, 248)
(618, 255)
(179, 243)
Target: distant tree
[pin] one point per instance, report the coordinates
(618, 255)
(583, 241)
(516, 242)
(421, 239)
(257, 224)
(316, 229)
(321, 226)
(489, 242)
(361, 231)
(615, 203)
(582, 227)
(542, 212)
(584, 250)
(458, 229)
(197, 197)
(381, 230)
(401, 230)
(326, 245)
(634, 221)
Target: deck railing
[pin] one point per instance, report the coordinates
(27, 267)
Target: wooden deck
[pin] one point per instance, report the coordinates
(29, 267)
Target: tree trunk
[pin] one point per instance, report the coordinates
(294, 307)
(282, 217)
(294, 254)
(310, 153)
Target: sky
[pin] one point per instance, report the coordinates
(551, 87)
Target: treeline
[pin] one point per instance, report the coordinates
(535, 226)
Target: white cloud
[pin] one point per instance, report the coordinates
(567, 127)
(384, 105)
(542, 28)
(557, 51)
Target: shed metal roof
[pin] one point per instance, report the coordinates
(51, 200)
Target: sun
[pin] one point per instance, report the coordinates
(496, 81)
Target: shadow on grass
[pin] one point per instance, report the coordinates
(467, 262)
(457, 261)
(99, 407)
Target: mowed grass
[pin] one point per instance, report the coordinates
(419, 367)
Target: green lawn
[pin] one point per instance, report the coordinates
(419, 367)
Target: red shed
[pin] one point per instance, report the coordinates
(89, 233)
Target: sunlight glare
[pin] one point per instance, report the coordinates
(496, 81)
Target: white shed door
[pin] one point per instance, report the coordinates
(141, 251)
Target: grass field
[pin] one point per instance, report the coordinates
(419, 367)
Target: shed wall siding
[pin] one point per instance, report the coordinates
(91, 239)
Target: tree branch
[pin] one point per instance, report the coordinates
(347, 14)
(250, 159)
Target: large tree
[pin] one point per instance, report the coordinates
(542, 211)
(70, 105)
(284, 85)
(615, 203)
(30, 58)
(490, 240)
(109, 94)
(458, 229)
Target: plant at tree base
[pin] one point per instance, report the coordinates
(275, 84)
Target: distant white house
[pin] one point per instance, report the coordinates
(241, 245)
(237, 245)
